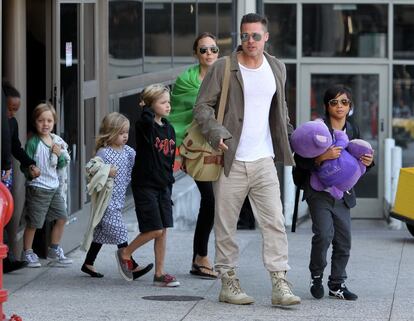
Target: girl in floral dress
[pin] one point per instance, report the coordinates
(112, 149)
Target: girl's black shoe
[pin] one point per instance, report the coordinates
(145, 270)
(93, 274)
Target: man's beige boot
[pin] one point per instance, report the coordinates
(231, 291)
(281, 292)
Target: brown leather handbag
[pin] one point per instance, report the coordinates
(200, 160)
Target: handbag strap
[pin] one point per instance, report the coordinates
(224, 91)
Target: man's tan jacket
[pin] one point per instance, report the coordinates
(207, 105)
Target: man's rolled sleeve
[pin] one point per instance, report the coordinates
(206, 104)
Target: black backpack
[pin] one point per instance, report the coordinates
(299, 174)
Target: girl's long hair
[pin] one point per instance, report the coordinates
(111, 126)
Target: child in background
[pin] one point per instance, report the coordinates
(331, 218)
(152, 179)
(43, 198)
(112, 149)
(13, 105)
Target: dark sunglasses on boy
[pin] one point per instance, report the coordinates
(245, 36)
(213, 49)
(335, 102)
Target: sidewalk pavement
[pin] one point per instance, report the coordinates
(380, 271)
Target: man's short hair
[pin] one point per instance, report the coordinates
(253, 18)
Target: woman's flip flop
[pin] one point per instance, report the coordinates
(197, 271)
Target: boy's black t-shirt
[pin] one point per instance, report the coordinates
(155, 152)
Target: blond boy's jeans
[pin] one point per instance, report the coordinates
(259, 181)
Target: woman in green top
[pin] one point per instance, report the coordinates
(183, 98)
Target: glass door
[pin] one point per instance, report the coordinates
(67, 98)
(369, 88)
(75, 88)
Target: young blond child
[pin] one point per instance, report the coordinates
(152, 179)
(43, 198)
(111, 149)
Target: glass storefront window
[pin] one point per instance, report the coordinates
(89, 132)
(403, 111)
(403, 32)
(184, 32)
(69, 106)
(89, 41)
(217, 18)
(291, 92)
(90, 126)
(225, 27)
(207, 18)
(128, 106)
(125, 39)
(282, 29)
(157, 36)
(150, 36)
(345, 30)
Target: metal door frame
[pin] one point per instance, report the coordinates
(87, 89)
(367, 207)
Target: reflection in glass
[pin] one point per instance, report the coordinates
(291, 92)
(69, 100)
(365, 92)
(125, 39)
(282, 29)
(157, 36)
(89, 131)
(403, 112)
(184, 32)
(128, 106)
(89, 41)
(90, 127)
(403, 32)
(225, 27)
(207, 18)
(345, 30)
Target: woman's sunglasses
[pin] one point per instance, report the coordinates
(213, 49)
(335, 102)
(245, 36)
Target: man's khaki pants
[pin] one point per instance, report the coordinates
(258, 180)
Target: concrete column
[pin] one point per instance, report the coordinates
(102, 49)
(244, 7)
(14, 57)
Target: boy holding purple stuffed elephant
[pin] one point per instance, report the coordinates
(331, 217)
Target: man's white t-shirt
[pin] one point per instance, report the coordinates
(259, 88)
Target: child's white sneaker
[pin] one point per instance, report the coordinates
(31, 258)
(57, 255)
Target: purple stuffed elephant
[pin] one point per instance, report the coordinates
(334, 176)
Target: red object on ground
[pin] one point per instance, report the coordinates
(6, 211)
